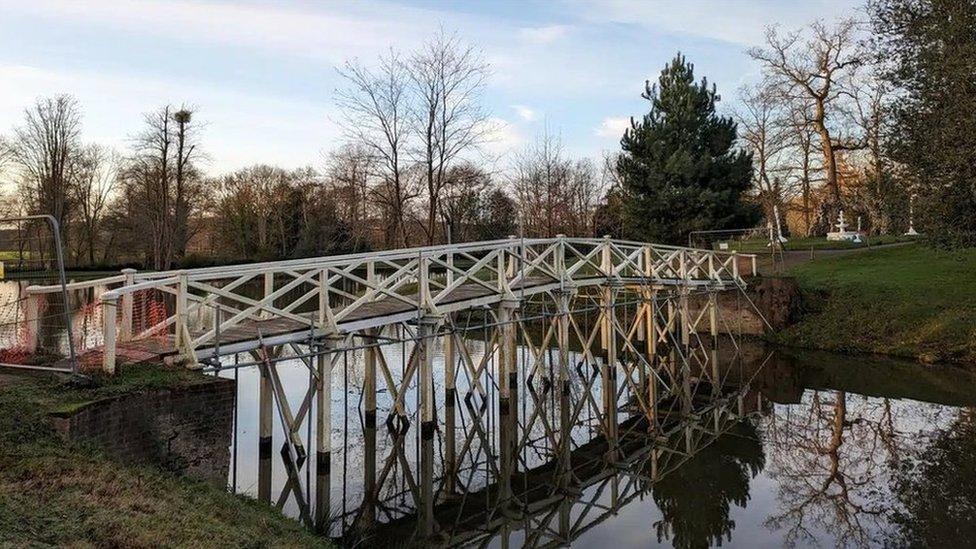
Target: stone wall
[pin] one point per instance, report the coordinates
(777, 298)
(185, 429)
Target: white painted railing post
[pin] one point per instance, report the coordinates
(513, 258)
(125, 333)
(323, 297)
(181, 299)
(109, 312)
(450, 267)
(754, 271)
(268, 290)
(735, 266)
(559, 260)
(606, 263)
(423, 281)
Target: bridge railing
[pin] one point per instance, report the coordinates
(198, 310)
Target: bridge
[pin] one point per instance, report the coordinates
(626, 332)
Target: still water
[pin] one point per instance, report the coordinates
(800, 449)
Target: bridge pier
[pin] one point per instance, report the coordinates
(265, 432)
(425, 356)
(450, 410)
(323, 436)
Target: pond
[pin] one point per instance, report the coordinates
(802, 448)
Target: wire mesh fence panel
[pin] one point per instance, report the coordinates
(752, 239)
(35, 328)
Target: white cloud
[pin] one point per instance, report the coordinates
(331, 31)
(543, 35)
(612, 127)
(525, 113)
(240, 128)
(741, 23)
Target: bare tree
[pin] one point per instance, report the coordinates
(46, 150)
(816, 72)
(803, 139)
(185, 133)
(764, 131)
(97, 178)
(376, 115)
(448, 117)
(162, 184)
(349, 174)
(464, 189)
(556, 194)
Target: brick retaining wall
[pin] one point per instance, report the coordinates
(186, 429)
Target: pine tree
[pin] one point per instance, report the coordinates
(678, 168)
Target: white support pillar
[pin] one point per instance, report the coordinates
(506, 364)
(450, 412)
(713, 331)
(265, 432)
(425, 356)
(323, 439)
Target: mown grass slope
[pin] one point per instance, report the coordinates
(53, 494)
(909, 301)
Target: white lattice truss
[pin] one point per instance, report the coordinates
(343, 294)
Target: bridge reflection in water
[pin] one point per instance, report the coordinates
(538, 419)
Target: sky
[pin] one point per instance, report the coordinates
(262, 74)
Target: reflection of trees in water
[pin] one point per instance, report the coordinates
(695, 499)
(937, 489)
(833, 456)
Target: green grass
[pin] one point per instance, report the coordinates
(754, 245)
(909, 301)
(53, 494)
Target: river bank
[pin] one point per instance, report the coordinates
(54, 492)
(907, 301)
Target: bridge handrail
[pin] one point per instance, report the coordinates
(421, 277)
(204, 273)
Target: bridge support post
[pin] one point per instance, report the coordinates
(507, 405)
(450, 412)
(369, 425)
(608, 374)
(323, 437)
(507, 371)
(265, 430)
(650, 341)
(425, 355)
(713, 331)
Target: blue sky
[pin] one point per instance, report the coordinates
(262, 74)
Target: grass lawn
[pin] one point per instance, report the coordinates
(907, 301)
(52, 494)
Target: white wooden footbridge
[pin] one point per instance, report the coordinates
(653, 336)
